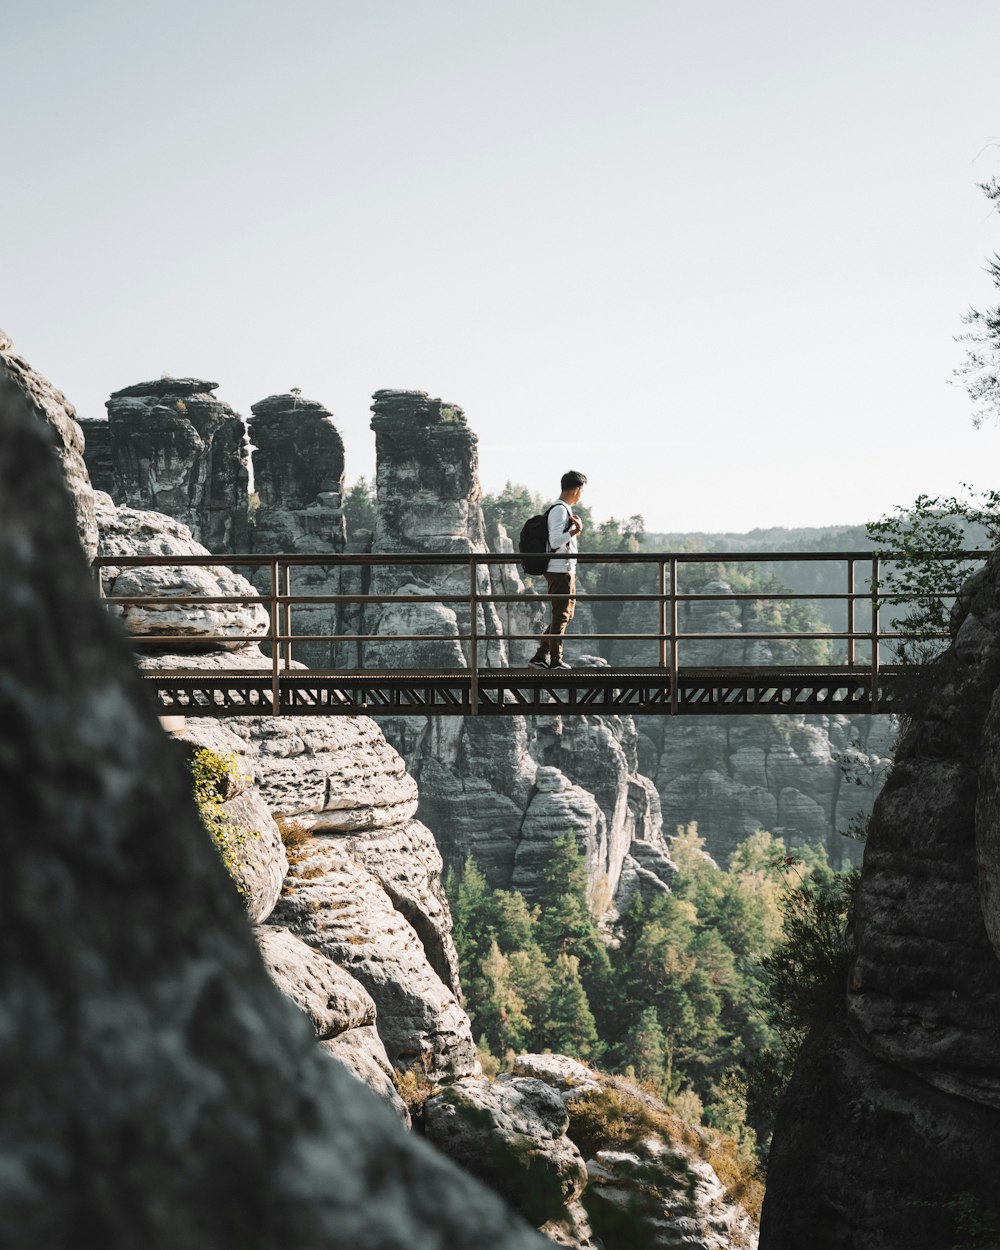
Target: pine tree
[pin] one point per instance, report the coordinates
(645, 1048)
(565, 925)
(569, 1027)
(500, 1013)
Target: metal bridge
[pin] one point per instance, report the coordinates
(671, 667)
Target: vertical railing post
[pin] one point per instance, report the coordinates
(474, 639)
(663, 615)
(286, 590)
(875, 630)
(674, 648)
(850, 613)
(275, 631)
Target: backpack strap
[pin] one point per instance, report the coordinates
(548, 545)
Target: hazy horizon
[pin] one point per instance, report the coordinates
(714, 256)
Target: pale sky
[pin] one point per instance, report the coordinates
(713, 253)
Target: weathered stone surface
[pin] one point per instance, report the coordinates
(259, 863)
(512, 1133)
(341, 1011)
(334, 905)
(657, 1191)
(407, 864)
(913, 999)
(330, 996)
(805, 778)
(298, 464)
(558, 808)
(919, 1078)
(23, 389)
(988, 825)
(442, 651)
(867, 1156)
(179, 450)
(427, 480)
(666, 1197)
(567, 1076)
(97, 452)
(598, 753)
(329, 774)
(128, 532)
(148, 1065)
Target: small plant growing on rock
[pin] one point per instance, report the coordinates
(211, 773)
(294, 834)
(415, 1086)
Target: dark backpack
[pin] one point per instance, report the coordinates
(533, 543)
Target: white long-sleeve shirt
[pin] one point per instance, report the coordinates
(561, 543)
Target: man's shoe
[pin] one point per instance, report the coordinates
(538, 661)
(560, 664)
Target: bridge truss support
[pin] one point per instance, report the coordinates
(524, 692)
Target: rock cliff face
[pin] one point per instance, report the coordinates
(807, 778)
(363, 890)
(177, 449)
(148, 1065)
(896, 1114)
(26, 392)
(137, 960)
(298, 463)
(501, 789)
(532, 1132)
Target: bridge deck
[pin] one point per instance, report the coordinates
(524, 691)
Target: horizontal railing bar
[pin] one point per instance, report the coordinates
(747, 596)
(488, 639)
(462, 560)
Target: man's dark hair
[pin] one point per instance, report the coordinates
(572, 479)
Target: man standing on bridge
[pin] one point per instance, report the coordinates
(564, 527)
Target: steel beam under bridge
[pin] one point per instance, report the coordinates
(526, 692)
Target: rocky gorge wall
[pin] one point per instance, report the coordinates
(343, 885)
(809, 779)
(892, 1120)
(499, 790)
(148, 1064)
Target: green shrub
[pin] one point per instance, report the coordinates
(211, 773)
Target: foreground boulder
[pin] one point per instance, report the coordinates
(892, 1121)
(27, 393)
(594, 1160)
(156, 1089)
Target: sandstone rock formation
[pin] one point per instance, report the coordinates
(97, 453)
(259, 862)
(130, 532)
(807, 778)
(895, 1114)
(298, 467)
(654, 1187)
(342, 1012)
(481, 788)
(335, 906)
(512, 1134)
(178, 449)
(25, 391)
(427, 480)
(148, 1066)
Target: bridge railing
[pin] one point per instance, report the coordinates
(667, 594)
